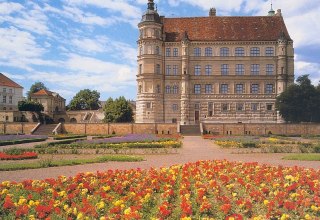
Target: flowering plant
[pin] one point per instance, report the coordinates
(200, 190)
(22, 156)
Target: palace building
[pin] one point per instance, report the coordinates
(212, 69)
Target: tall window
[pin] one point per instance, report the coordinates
(208, 52)
(10, 99)
(157, 50)
(140, 51)
(269, 51)
(175, 52)
(239, 88)
(255, 51)
(269, 69)
(224, 69)
(174, 107)
(168, 52)
(224, 51)
(224, 88)
(175, 70)
(140, 68)
(208, 88)
(158, 90)
(140, 89)
(239, 52)
(197, 70)
(175, 89)
(224, 107)
(4, 99)
(168, 70)
(240, 107)
(197, 52)
(254, 88)
(197, 89)
(239, 69)
(168, 89)
(255, 69)
(210, 109)
(208, 70)
(158, 69)
(254, 106)
(10, 90)
(269, 88)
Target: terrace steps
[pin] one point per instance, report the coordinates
(45, 129)
(190, 130)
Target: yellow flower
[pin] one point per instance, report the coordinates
(102, 218)
(31, 217)
(22, 200)
(266, 202)
(80, 216)
(106, 188)
(307, 217)
(118, 202)
(127, 211)
(284, 217)
(100, 205)
(186, 218)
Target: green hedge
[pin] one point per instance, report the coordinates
(166, 144)
(51, 144)
(22, 141)
(68, 137)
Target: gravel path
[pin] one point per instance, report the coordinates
(194, 149)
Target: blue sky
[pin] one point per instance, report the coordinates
(71, 45)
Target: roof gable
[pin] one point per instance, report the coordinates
(225, 28)
(43, 92)
(5, 81)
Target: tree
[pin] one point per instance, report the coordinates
(37, 86)
(30, 106)
(85, 100)
(300, 102)
(118, 110)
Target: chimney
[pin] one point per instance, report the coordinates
(212, 12)
(279, 12)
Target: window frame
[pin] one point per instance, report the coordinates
(224, 52)
(197, 70)
(239, 52)
(269, 51)
(255, 88)
(269, 88)
(239, 88)
(168, 89)
(255, 51)
(175, 52)
(208, 70)
(197, 89)
(270, 69)
(168, 70)
(168, 52)
(208, 89)
(255, 69)
(224, 88)
(197, 51)
(224, 69)
(240, 71)
(208, 52)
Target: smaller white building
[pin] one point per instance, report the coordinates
(10, 94)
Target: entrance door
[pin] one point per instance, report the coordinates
(196, 117)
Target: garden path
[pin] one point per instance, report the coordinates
(194, 148)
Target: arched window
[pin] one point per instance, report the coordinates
(197, 51)
(255, 51)
(157, 50)
(175, 89)
(168, 89)
(73, 120)
(208, 52)
(239, 52)
(224, 51)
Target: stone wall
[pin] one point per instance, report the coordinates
(262, 129)
(14, 128)
(119, 128)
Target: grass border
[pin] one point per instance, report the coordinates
(58, 163)
(303, 157)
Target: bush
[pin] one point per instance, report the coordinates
(249, 145)
(51, 144)
(22, 141)
(316, 148)
(65, 137)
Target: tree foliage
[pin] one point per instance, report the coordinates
(30, 106)
(37, 86)
(118, 110)
(85, 100)
(300, 102)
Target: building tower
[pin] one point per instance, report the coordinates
(150, 68)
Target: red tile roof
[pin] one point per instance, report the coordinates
(43, 92)
(5, 81)
(220, 28)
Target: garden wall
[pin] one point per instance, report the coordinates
(16, 127)
(119, 128)
(262, 129)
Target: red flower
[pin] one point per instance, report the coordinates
(8, 204)
(225, 208)
(234, 217)
(22, 210)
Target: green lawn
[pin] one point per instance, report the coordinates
(305, 157)
(57, 163)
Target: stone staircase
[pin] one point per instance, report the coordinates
(45, 129)
(190, 130)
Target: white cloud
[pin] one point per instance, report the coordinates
(7, 8)
(313, 69)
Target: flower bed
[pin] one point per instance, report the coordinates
(22, 156)
(64, 137)
(20, 139)
(205, 189)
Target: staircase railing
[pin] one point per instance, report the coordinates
(57, 129)
(35, 128)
